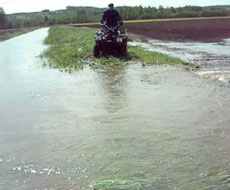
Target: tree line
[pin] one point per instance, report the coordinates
(91, 14)
(138, 12)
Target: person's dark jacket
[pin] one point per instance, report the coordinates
(111, 18)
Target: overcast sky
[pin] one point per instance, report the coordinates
(12, 6)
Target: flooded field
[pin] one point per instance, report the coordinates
(156, 127)
(213, 59)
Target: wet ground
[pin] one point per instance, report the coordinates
(213, 58)
(156, 127)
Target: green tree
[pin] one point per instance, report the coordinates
(45, 11)
(161, 12)
(46, 19)
(81, 15)
(3, 21)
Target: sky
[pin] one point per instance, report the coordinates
(14, 6)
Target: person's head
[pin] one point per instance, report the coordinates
(111, 6)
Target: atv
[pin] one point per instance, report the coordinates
(110, 41)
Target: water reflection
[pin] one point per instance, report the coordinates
(113, 84)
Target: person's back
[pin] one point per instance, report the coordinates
(111, 17)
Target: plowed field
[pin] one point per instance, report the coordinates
(192, 30)
(203, 30)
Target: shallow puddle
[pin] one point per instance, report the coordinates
(155, 127)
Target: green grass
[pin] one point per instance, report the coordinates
(121, 184)
(71, 49)
(11, 33)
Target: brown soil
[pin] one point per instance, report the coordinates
(8, 31)
(213, 30)
(195, 30)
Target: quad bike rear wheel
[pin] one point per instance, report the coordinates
(123, 50)
(97, 51)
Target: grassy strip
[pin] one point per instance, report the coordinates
(11, 33)
(121, 184)
(153, 20)
(71, 48)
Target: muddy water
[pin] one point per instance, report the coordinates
(157, 127)
(212, 58)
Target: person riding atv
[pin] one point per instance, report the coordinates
(111, 17)
(110, 40)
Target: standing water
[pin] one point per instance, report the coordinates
(156, 127)
(213, 59)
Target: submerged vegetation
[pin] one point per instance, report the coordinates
(71, 48)
(121, 184)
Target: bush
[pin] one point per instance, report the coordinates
(188, 14)
(211, 13)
